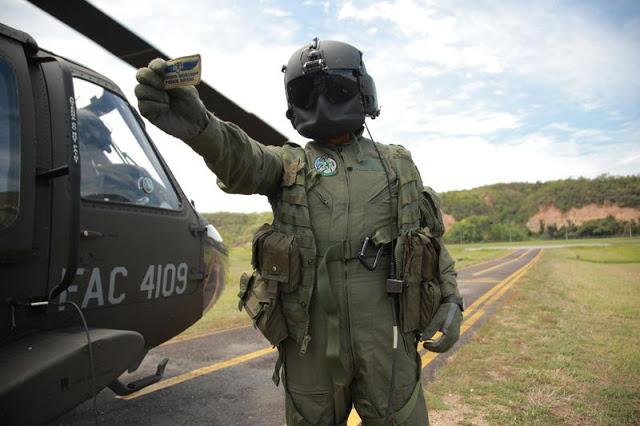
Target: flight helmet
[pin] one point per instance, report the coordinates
(328, 90)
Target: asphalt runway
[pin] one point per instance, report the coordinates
(224, 378)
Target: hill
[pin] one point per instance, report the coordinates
(517, 202)
(606, 205)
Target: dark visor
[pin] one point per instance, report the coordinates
(337, 85)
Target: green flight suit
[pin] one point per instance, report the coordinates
(349, 202)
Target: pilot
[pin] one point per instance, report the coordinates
(352, 274)
(95, 142)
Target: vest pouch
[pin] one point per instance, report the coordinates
(412, 274)
(259, 298)
(421, 296)
(430, 296)
(277, 258)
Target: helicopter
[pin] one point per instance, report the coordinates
(102, 256)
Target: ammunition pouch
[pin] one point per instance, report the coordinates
(276, 256)
(260, 300)
(277, 270)
(421, 297)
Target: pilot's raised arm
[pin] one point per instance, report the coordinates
(241, 164)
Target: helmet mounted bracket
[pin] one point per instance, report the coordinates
(315, 62)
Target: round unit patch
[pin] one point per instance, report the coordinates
(325, 165)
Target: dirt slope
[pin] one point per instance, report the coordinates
(551, 215)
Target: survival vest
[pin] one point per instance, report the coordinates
(418, 218)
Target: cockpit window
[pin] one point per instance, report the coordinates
(9, 146)
(116, 160)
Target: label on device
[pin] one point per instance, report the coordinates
(182, 72)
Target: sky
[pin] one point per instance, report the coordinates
(480, 92)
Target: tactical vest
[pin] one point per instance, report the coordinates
(418, 216)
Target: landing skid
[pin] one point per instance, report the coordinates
(121, 389)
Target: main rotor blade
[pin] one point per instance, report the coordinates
(108, 33)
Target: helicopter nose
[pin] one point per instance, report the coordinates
(215, 254)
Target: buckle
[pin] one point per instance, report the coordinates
(362, 258)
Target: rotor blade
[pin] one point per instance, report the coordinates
(108, 33)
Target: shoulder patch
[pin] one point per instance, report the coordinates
(293, 160)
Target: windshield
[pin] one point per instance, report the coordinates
(116, 160)
(9, 146)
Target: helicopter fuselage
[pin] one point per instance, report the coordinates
(91, 217)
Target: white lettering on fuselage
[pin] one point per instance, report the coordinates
(165, 279)
(159, 281)
(94, 289)
(121, 270)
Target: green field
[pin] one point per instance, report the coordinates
(562, 348)
(541, 242)
(224, 314)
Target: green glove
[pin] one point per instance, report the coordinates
(447, 319)
(179, 112)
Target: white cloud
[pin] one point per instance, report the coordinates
(465, 162)
(563, 47)
(409, 17)
(454, 81)
(632, 160)
(274, 11)
(469, 123)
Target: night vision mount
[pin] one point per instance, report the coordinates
(316, 62)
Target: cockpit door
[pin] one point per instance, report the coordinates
(140, 254)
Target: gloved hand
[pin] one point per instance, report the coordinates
(447, 319)
(179, 112)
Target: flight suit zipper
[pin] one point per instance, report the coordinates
(346, 176)
(345, 266)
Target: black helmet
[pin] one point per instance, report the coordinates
(93, 132)
(328, 89)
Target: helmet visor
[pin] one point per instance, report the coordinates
(338, 86)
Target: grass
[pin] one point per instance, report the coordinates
(626, 251)
(562, 348)
(540, 242)
(224, 314)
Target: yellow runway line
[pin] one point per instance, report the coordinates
(354, 419)
(497, 259)
(479, 281)
(469, 321)
(198, 372)
(469, 309)
(475, 274)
